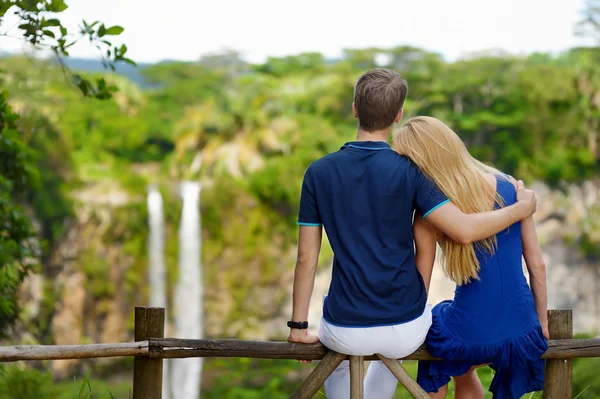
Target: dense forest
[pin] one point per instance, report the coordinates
(249, 131)
(75, 171)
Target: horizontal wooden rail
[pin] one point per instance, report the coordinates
(178, 348)
(181, 348)
(59, 352)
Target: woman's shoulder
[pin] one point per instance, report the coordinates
(506, 178)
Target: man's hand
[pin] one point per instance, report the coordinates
(526, 199)
(302, 337)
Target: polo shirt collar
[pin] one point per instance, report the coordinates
(367, 145)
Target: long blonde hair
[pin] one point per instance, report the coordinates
(443, 157)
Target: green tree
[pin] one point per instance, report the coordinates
(19, 243)
(17, 238)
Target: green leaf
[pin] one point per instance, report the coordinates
(52, 22)
(101, 30)
(83, 84)
(129, 61)
(56, 6)
(4, 7)
(48, 33)
(28, 5)
(63, 31)
(115, 30)
(81, 390)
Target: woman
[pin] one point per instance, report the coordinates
(494, 319)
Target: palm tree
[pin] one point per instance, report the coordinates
(235, 136)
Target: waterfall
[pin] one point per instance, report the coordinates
(188, 294)
(156, 244)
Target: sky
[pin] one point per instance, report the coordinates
(187, 29)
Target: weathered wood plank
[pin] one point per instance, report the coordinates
(176, 348)
(405, 379)
(558, 379)
(357, 377)
(557, 349)
(60, 352)
(315, 380)
(572, 348)
(147, 372)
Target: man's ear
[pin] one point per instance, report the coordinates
(399, 116)
(354, 111)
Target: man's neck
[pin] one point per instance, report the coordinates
(376, 135)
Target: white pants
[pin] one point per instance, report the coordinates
(395, 341)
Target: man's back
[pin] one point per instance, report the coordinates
(364, 195)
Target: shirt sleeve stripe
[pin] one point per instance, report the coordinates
(435, 207)
(308, 224)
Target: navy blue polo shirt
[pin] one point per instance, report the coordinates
(364, 196)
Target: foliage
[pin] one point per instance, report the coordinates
(17, 383)
(41, 31)
(25, 151)
(23, 383)
(586, 383)
(252, 378)
(17, 238)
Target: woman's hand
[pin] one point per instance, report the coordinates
(302, 337)
(545, 330)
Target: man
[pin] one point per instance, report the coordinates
(365, 196)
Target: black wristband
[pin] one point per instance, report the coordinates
(299, 325)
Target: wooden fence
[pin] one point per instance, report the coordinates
(150, 348)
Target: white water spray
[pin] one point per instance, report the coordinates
(156, 251)
(188, 294)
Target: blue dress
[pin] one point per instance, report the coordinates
(492, 320)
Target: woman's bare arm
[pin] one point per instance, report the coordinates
(534, 259)
(537, 270)
(425, 236)
(467, 228)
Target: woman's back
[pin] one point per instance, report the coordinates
(492, 320)
(499, 304)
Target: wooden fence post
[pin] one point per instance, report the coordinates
(405, 379)
(317, 377)
(357, 377)
(147, 373)
(558, 379)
